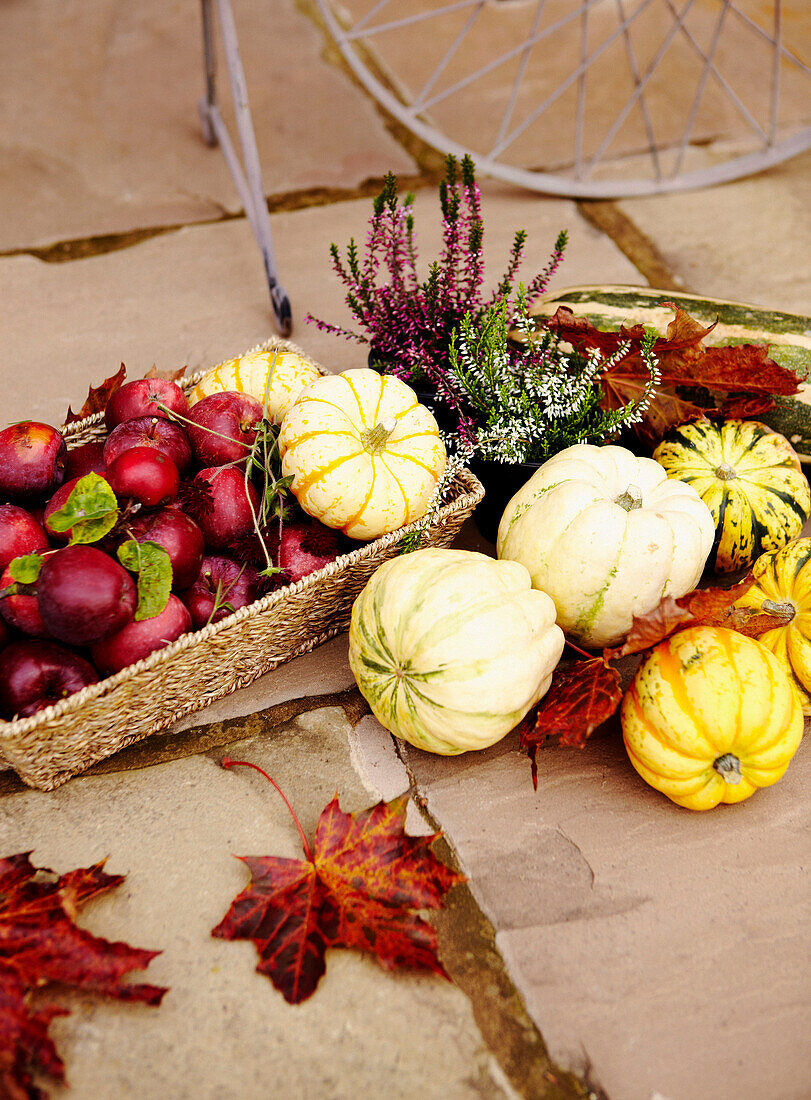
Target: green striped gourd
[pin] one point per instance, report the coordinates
(607, 535)
(750, 479)
(788, 334)
(451, 648)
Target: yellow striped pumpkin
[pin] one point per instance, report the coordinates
(710, 716)
(750, 479)
(365, 456)
(783, 584)
(452, 648)
(283, 374)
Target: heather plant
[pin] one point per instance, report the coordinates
(529, 398)
(409, 322)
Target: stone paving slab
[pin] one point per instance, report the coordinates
(197, 296)
(222, 1030)
(110, 139)
(664, 950)
(748, 241)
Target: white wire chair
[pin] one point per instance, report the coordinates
(589, 98)
(583, 98)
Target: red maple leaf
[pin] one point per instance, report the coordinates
(580, 698)
(743, 376)
(701, 607)
(356, 888)
(98, 396)
(39, 944)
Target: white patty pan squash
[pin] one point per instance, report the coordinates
(364, 454)
(452, 648)
(607, 537)
(281, 374)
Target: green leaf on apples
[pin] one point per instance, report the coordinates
(26, 568)
(89, 513)
(154, 568)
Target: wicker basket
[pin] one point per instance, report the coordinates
(63, 740)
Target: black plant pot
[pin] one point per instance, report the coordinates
(501, 481)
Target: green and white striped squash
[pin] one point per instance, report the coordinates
(607, 535)
(787, 334)
(749, 477)
(451, 648)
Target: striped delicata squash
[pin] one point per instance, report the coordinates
(365, 456)
(783, 586)
(451, 648)
(750, 479)
(277, 375)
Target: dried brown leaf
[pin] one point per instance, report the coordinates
(98, 396)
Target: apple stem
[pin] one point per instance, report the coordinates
(577, 649)
(227, 762)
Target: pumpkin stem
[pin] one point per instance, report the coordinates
(726, 472)
(728, 767)
(630, 499)
(785, 610)
(374, 439)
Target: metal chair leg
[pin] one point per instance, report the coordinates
(248, 180)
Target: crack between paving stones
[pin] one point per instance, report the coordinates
(607, 217)
(284, 202)
(468, 951)
(160, 748)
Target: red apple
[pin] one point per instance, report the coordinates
(32, 461)
(238, 586)
(138, 639)
(87, 458)
(84, 595)
(58, 501)
(150, 431)
(22, 610)
(230, 414)
(140, 398)
(19, 534)
(5, 635)
(230, 517)
(35, 674)
(145, 475)
(180, 537)
(306, 545)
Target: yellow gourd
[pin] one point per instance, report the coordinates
(783, 586)
(283, 374)
(365, 456)
(710, 716)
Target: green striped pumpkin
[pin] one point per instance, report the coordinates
(787, 334)
(452, 648)
(750, 479)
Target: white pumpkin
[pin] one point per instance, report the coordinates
(365, 456)
(607, 536)
(451, 648)
(279, 374)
